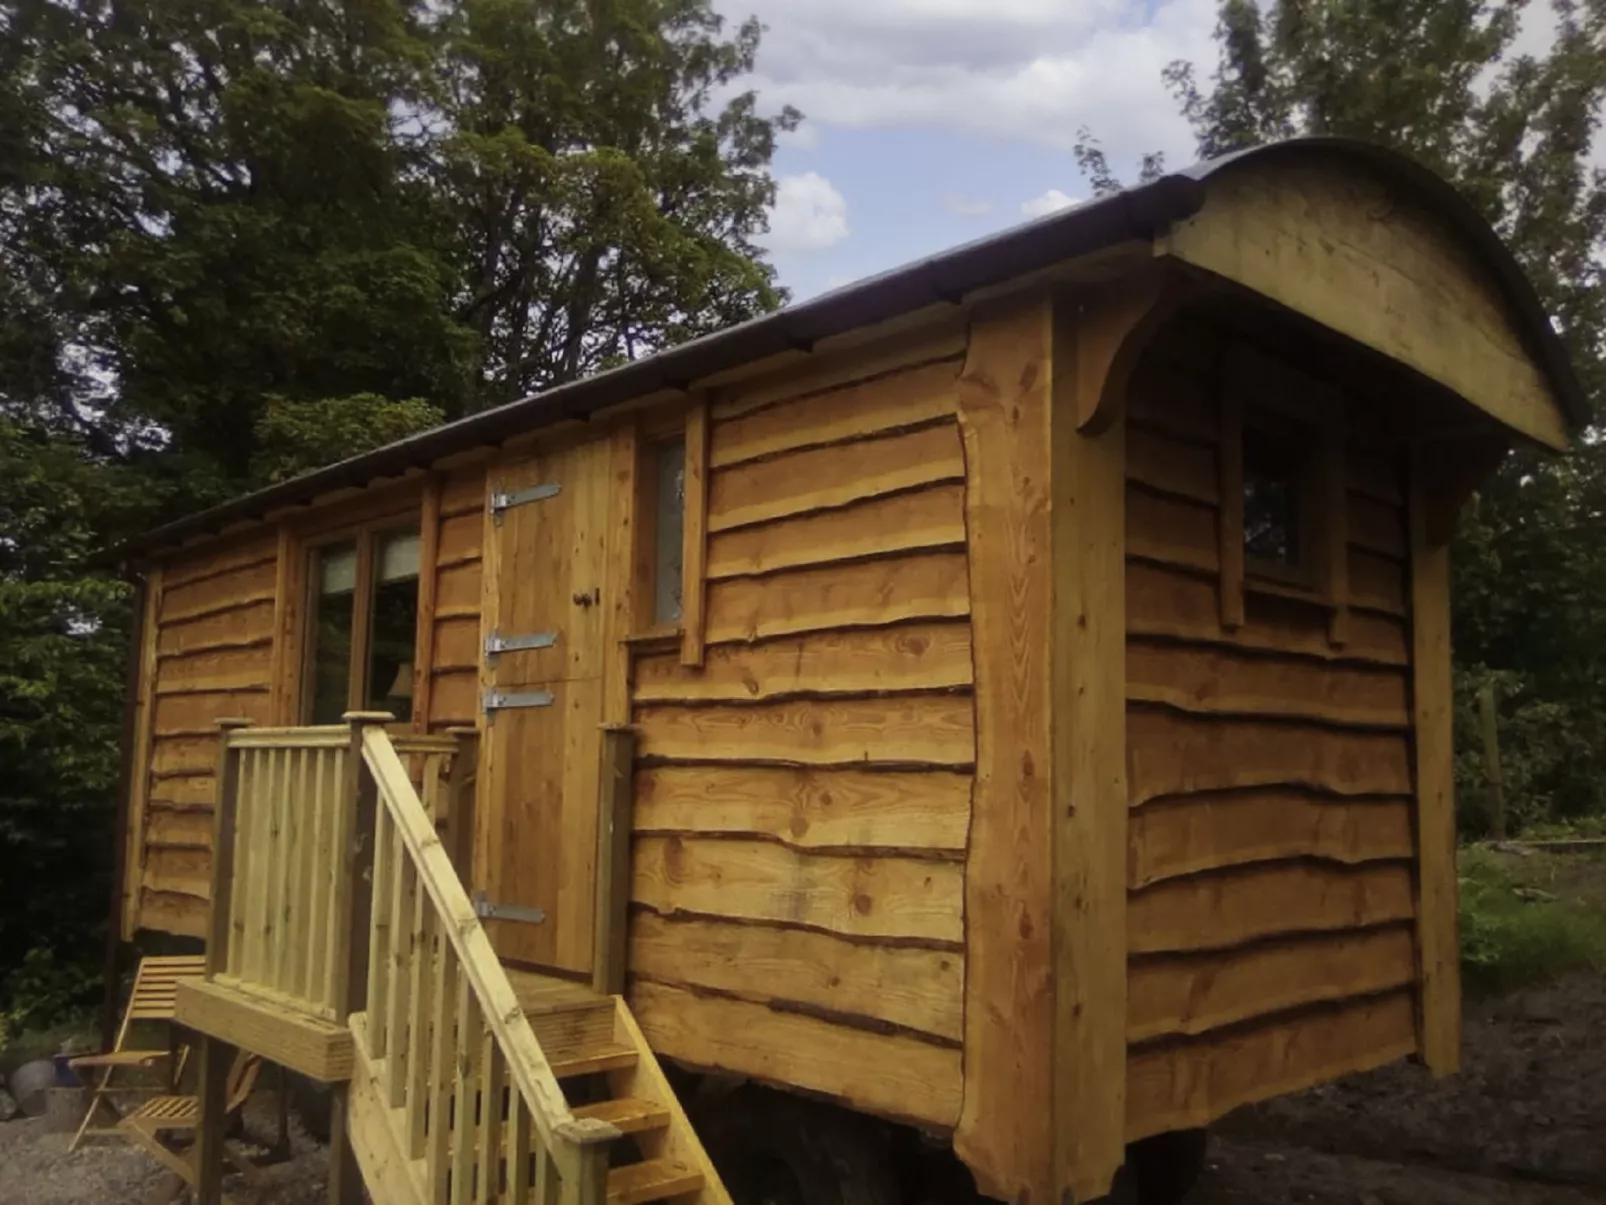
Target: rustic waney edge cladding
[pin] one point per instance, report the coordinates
(803, 795)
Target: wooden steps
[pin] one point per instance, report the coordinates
(651, 1180)
(628, 1115)
(590, 1060)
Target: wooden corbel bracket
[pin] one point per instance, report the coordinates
(1110, 328)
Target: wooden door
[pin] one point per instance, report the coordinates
(536, 838)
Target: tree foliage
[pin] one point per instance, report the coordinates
(243, 238)
(1445, 82)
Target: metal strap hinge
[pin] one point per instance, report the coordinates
(503, 700)
(488, 909)
(502, 500)
(497, 643)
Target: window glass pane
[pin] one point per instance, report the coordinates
(394, 632)
(336, 575)
(669, 463)
(1272, 470)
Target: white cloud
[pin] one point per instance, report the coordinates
(1036, 70)
(805, 138)
(965, 207)
(809, 215)
(1047, 203)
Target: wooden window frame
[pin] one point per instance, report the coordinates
(1260, 391)
(365, 534)
(689, 425)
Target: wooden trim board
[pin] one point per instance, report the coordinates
(313, 1047)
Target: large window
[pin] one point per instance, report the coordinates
(364, 625)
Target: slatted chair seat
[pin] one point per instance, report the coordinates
(154, 998)
(146, 1124)
(167, 1112)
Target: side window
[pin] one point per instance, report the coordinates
(1279, 496)
(666, 461)
(364, 625)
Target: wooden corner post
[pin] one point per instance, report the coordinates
(613, 859)
(1097, 342)
(224, 814)
(1439, 968)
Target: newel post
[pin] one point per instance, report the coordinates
(354, 903)
(225, 815)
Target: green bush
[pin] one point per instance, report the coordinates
(1515, 933)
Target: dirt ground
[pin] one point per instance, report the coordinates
(1523, 1124)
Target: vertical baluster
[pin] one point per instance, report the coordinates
(491, 1120)
(418, 1033)
(258, 905)
(404, 947)
(339, 826)
(466, 1128)
(273, 866)
(379, 945)
(289, 909)
(545, 1183)
(306, 979)
(518, 1149)
(443, 1080)
(244, 866)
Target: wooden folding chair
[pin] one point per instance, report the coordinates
(152, 1000)
(146, 1125)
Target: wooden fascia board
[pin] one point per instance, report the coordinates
(1343, 251)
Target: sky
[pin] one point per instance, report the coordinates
(928, 123)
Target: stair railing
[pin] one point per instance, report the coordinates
(456, 1059)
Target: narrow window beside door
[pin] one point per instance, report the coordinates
(365, 619)
(669, 469)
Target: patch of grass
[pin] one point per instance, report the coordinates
(1529, 920)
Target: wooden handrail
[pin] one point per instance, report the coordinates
(482, 986)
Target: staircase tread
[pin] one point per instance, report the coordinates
(630, 1114)
(651, 1180)
(605, 1056)
(540, 994)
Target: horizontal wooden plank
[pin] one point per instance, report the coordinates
(226, 630)
(1172, 399)
(908, 986)
(313, 1047)
(900, 399)
(889, 1074)
(185, 828)
(1376, 581)
(170, 912)
(1174, 1087)
(458, 587)
(171, 755)
(218, 559)
(252, 582)
(928, 518)
(177, 871)
(1169, 753)
(1229, 908)
(1169, 602)
(1187, 834)
(461, 537)
(936, 729)
(808, 808)
(1376, 526)
(1192, 994)
(1172, 466)
(455, 698)
(922, 656)
(200, 712)
(1172, 530)
(860, 594)
(227, 669)
(457, 643)
(942, 340)
(820, 478)
(195, 791)
(857, 896)
(1221, 681)
(463, 491)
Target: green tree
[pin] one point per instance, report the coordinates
(604, 203)
(1440, 81)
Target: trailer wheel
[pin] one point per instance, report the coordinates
(1164, 1167)
(774, 1149)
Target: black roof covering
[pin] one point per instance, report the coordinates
(1135, 213)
